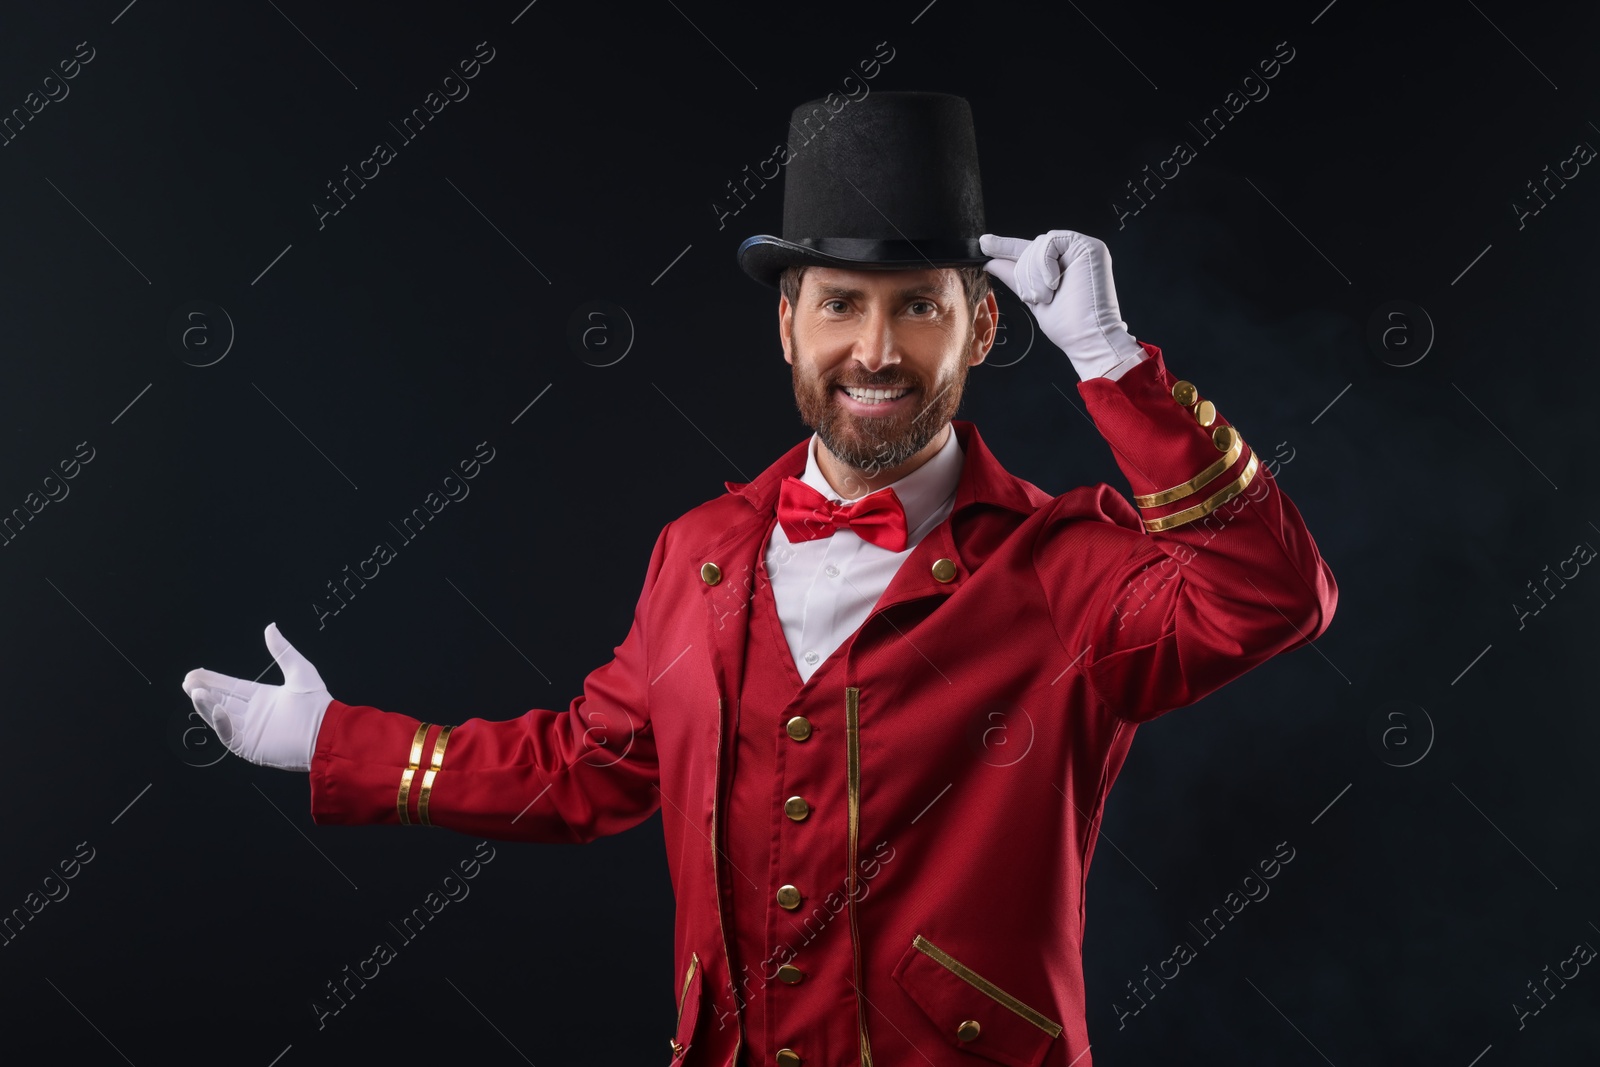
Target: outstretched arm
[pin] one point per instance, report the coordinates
(567, 775)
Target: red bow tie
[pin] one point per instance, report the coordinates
(806, 514)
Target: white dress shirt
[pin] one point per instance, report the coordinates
(825, 588)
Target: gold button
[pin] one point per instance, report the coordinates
(1222, 437)
(789, 974)
(968, 1030)
(788, 897)
(1184, 393)
(796, 808)
(943, 570)
(787, 1057)
(798, 728)
(1206, 413)
(710, 573)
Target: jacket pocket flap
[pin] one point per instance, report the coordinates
(971, 1012)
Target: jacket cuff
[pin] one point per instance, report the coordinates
(1181, 457)
(372, 767)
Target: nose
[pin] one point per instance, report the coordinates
(876, 345)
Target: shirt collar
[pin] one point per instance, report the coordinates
(920, 492)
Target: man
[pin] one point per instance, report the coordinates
(880, 693)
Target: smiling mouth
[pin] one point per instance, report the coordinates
(874, 396)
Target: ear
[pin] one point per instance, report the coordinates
(786, 328)
(985, 328)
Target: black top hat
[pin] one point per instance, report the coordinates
(890, 181)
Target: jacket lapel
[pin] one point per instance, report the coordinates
(735, 554)
(728, 561)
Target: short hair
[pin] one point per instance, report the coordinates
(974, 282)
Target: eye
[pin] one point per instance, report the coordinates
(829, 304)
(924, 303)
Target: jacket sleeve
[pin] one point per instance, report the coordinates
(1213, 574)
(567, 775)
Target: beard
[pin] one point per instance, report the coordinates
(876, 443)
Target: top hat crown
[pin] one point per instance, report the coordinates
(889, 181)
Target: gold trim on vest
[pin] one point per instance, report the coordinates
(852, 732)
(716, 877)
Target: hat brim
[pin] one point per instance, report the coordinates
(764, 257)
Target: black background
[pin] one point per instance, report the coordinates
(380, 349)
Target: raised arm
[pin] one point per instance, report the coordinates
(1213, 575)
(1215, 572)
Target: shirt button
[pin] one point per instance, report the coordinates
(796, 808)
(789, 974)
(788, 897)
(831, 571)
(787, 1057)
(811, 656)
(798, 728)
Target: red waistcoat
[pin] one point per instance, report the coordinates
(963, 740)
(793, 975)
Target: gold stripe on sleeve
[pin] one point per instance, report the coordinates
(435, 765)
(1211, 503)
(409, 773)
(1178, 492)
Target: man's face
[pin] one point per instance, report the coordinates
(906, 331)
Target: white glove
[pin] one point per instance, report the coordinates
(273, 725)
(1065, 279)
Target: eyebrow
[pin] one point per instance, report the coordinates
(844, 292)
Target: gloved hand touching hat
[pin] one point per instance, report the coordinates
(1065, 279)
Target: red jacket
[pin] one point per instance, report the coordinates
(1053, 625)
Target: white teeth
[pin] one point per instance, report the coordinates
(870, 396)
